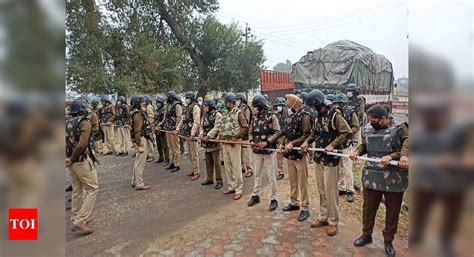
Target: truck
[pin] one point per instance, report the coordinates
(343, 62)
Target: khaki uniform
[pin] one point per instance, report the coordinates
(150, 111)
(173, 119)
(330, 128)
(297, 128)
(346, 177)
(210, 126)
(190, 128)
(247, 161)
(84, 180)
(141, 137)
(265, 128)
(123, 119)
(161, 143)
(108, 115)
(233, 127)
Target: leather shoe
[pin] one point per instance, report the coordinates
(228, 191)
(176, 168)
(196, 176)
(273, 205)
(219, 185)
(171, 166)
(290, 207)
(144, 187)
(255, 199)
(332, 230)
(125, 154)
(166, 163)
(362, 240)
(159, 161)
(191, 173)
(207, 182)
(318, 223)
(237, 196)
(83, 229)
(389, 248)
(350, 197)
(303, 216)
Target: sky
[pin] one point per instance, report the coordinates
(292, 28)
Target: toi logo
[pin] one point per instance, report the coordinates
(22, 224)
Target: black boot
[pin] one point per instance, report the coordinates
(170, 167)
(219, 185)
(166, 163)
(254, 200)
(291, 207)
(207, 182)
(159, 161)
(362, 240)
(273, 205)
(389, 248)
(303, 216)
(125, 154)
(175, 169)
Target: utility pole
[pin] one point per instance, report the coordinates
(247, 33)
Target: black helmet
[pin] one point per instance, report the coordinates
(172, 95)
(122, 99)
(330, 97)
(190, 94)
(266, 97)
(78, 106)
(352, 87)
(230, 97)
(210, 102)
(241, 97)
(148, 99)
(104, 98)
(135, 102)
(304, 96)
(315, 97)
(160, 99)
(259, 101)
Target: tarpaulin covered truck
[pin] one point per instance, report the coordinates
(340, 63)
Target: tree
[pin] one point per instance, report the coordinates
(283, 66)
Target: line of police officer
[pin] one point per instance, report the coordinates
(329, 125)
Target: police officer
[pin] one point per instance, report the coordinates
(358, 103)
(161, 143)
(247, 162)
(98, 134)
(295, 131)
(150, 112)
(234, 127)
(210, 127)
(330, 131)
(386, 141)
(80, 160)
(264, 133)
(190, 129)
(107, 117)
(141, 135)
(123, 124)
(346, 178)
(281, 112)
(172, 122)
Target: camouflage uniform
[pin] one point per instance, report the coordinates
(85, 185)
(281, 116)
(247, 162)
(265, 128)
(233, 127)
(357, 103)
(329, 129)
(387, 181)
(296, 129)
(142, 134)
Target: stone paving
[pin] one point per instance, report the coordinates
(263, 233)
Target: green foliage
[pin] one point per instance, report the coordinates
(128, 47)
(283, 66)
